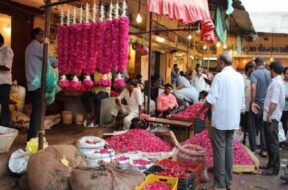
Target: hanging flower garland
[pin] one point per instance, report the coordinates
(123, 43)
(90, 66)
(85, 46)
(60, 48)
(115, 44)
(100, 45)
(107, 48)
(75, 84)
(78, 62)
(63, 53)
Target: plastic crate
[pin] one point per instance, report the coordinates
(171, 181)
(187, 184)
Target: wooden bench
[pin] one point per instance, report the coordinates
(181, 124)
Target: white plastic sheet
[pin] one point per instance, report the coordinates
(18, 161)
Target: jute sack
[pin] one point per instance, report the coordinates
(51, 168)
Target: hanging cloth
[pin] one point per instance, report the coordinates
(221, 27)
(230, 8)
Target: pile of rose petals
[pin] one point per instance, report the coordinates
(241, 156)
(141, 162)
(138, 140)
(156, 186)
(190, 112)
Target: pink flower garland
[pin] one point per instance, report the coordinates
(63, 56)
(75, 86)
(123, 43)
(88, 83)
(115, 44)
(100, 45)
(85, 46)
(64, 83)
(90, 67)
(107, 49)
(72, 48)
(78, 64)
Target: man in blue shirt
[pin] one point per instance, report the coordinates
(174, 74)
(260, 80)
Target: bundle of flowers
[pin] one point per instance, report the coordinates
(104, 82)
(119, 83)
(63, 82)
(75, 84)
(115, 44)
(88, 83)
(100, 41)
(241, 156)
(79, 50)
(86, 41)
(62, 50)
(190, 112)
(138, 140)
(106, 65)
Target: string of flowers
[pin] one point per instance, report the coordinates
(119, 82)
(105, 81)
(91, 63)
(123, 43)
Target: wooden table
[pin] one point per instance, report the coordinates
(183, 124)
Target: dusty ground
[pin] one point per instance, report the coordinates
(69, 134)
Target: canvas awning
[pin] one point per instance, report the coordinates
(187, 12)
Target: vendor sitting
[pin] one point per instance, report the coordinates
(167, 102)
(134, 100)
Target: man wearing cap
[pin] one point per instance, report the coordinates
(260, 80)
(273, 107)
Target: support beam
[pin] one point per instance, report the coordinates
(149, 62)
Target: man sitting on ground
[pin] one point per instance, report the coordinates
(167, 103)
(134, 100)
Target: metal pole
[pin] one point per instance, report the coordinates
(43, 75)
(149, 62)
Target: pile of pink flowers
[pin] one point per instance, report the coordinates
(157, 186)
(241, 156)
(190, 112)
(84, 47)
(138, 140)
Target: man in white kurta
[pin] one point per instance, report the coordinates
(134, 100)
(226, 99)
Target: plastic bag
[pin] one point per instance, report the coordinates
(50, 85)
(32, 145)
(281, 133)
(18, 161)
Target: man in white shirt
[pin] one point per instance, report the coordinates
(273, 107)
(33, 66)
(198, 80)
(6, 59)
(226, 99)
(134, 100)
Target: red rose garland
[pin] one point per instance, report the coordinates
(107, 49)
(60, 51)
(90, 66)
(72, 48)
(100, 45)
(123, 43)
(63, 56)
(85, 46)
(77, 66)
(115, 44)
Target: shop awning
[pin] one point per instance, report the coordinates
(187, 12)
(268, 16)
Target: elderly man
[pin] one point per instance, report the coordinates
(198, 80)
(226, 98)
(6, 59)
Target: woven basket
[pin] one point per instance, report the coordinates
(7, 138)
(67, 117)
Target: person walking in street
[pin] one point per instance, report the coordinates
(273, 107)
(226, 99)
(6, 59)
(33, 66)
(260, 80)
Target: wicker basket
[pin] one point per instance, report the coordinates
(7, 137)
(67, 117)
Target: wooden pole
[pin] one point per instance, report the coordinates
(43, 75)
(149, 61)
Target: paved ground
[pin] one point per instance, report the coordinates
(69, 134)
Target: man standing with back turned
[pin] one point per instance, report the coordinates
(226, 99)
(260, 80)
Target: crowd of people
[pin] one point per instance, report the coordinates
(255, 98)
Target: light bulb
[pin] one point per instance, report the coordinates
(160, 39)
(189, 37)
(139, 18)
(218, 44)
(224, 46)
(271, 59)
(205, 46)
(231, 52)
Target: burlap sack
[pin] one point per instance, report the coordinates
(47, 170)
(91, 179)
